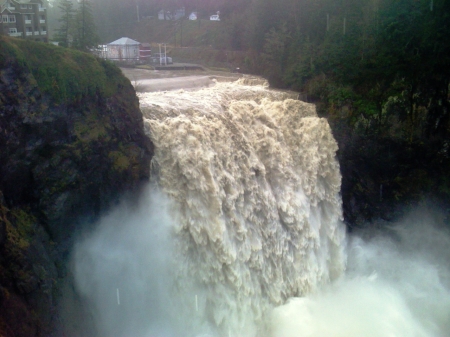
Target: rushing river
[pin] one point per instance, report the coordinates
(240, 233)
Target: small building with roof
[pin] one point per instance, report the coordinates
(123, 49)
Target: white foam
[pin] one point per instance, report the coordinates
(397, 284)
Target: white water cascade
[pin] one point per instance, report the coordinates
(240, 235)
(256, 183)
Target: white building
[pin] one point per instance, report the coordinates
(123, 49)
(215, 17)
(164, 15)
(193, 16)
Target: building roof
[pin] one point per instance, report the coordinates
(9, 6)
(124, 41)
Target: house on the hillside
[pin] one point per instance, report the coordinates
(24, 18)
(215, 17)
(193, 16)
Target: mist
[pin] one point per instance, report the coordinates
(122, 268)
(397, 283)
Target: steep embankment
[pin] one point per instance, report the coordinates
(71, 141)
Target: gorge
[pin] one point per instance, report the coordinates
(214, 212)
(240, 233)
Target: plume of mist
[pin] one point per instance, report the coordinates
(397, 284)
(122, 270)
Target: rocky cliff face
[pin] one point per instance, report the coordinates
(71, 142)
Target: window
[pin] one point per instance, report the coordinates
(29, 30)
(5, 18)
(23, 6)
(13, 31)
(30, 7)
(12, 18)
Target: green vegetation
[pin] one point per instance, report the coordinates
(63, 33)
(182, 33)
(120, 161)
(67, 75)
(20, 230)
(76, 26)
(84, 35)
(19, 226)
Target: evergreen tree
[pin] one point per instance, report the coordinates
(63, 34)
(85, 36)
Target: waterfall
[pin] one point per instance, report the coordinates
(255, 186)
(240, 235)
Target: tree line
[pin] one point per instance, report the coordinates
(381, 60)
(77, 28)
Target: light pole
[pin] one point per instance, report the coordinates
(165, 54)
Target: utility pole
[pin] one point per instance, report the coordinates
(137, 12)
